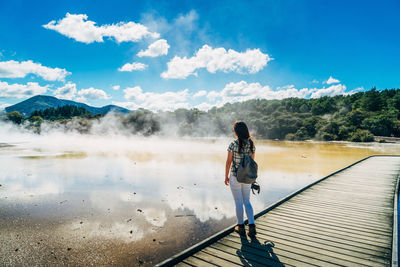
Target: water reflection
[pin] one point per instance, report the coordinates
(128, 196)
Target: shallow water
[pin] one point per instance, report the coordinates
(101, 200)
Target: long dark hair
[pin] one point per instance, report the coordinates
(243, 134)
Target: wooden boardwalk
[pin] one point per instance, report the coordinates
(344, 219)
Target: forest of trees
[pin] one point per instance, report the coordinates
(357, 118)
(63, 112)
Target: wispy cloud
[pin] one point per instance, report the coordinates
(182, 31)
(15, 69)
(217, 59)
(79, 28)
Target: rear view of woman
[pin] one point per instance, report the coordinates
(242, 145)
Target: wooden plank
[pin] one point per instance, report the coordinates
(345, 195)
(286, 254)
(214, 258)
(350, 189)
(299, 252)
(286, 257)
(355, 202)
(249, 256)
(332, 221)
(337, 222)
(362, 215)
(363, 185)
(184, 264)
(381, 223)
(322, 238)
(361, 206)
(340, 182)
(363, 241)
(230, 255)
(194, 261)
(333, 254)
(337, 228)
(345, 206)
(355, 194)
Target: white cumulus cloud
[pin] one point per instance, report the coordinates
(93, 93)
(200, 93)
(242, 91)
(16, 90)
(133, 66)
(68, 91)
(158, 48)
(116, 87)
(78, 27)
(217, 59)
(15, 69)
(337, 89)
(154, 101)
(332, 80)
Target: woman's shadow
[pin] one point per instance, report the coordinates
(254, 253)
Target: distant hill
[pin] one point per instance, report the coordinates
(41, 102)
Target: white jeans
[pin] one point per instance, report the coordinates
(241, 195)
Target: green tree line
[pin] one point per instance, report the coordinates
(357, 118)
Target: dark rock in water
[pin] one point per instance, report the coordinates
(139, 210)
(69, 249)
(16, 249)
(131, 231)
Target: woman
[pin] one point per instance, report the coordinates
(243, 145)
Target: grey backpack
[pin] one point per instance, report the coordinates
(247, 170)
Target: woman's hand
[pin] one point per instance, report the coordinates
(226, 181)
(228, 166)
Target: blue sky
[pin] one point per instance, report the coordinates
(195, 53)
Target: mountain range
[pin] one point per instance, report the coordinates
(41, 102)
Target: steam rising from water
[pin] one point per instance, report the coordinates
(120, 188)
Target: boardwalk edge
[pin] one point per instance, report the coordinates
(395, 255)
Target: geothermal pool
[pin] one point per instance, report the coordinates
(112, 199)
